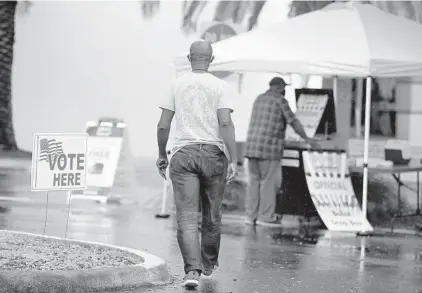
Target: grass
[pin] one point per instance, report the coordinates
(27, 252)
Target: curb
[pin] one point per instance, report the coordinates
(396, 232)
(153, 271)
(15, 164)
(382, 232)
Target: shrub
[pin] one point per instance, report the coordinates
(382, 196)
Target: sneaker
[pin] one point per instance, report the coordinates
(208, 273)
(250, 222)
(274, 223)
(191, 280)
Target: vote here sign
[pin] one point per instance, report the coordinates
(59, 162)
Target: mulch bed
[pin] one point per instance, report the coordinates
(26, 252)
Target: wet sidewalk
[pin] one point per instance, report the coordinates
(253, 259)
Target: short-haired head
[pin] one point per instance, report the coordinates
(200, 55)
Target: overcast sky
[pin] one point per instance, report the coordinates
(77, 61)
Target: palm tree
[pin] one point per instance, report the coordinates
(7, 33)
(7, 38)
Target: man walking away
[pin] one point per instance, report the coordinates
(203, 159)
(264, 149)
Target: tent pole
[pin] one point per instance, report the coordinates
(366, 146)
(358, 108)
(336, 102)
(335, 88)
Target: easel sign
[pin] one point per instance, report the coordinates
(331, 191)
(58, 164)
(315, 110)
(108, 161)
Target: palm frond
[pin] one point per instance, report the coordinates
(231, 11)
(149, 8)
(256, 10)
(234, 11)
(24, 7)
(240, 12)
(191, 12)
(297, 8)
(408, 9)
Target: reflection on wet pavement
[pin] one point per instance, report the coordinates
(253, 259)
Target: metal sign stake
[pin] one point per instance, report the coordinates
(46, 214)
(69, 195)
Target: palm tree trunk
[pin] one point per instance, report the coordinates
(7, 39)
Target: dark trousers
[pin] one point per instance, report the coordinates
(198, 174)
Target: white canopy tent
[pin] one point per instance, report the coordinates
(343, 39)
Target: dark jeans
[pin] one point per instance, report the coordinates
(198, 174)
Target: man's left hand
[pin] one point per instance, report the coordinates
(162, 164)
(231, 172)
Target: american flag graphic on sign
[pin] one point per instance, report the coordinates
(49, 147)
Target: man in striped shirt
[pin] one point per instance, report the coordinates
(264, 149)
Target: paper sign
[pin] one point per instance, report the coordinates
(59, 162)
(376, 148)
(110, 164)
(309, 111)
(102, 157)
(332, 192)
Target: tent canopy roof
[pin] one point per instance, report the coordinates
(343, 39)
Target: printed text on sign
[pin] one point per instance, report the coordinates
(72, 162)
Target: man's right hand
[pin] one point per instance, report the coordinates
(162, 164)
(313, 143)
(231, 172)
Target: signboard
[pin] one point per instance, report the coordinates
(108, 159)
(309, 111)
(332, 193)
(376, 148)
(58, 162)
(102, 157)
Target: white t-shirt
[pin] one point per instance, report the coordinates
(195, 99)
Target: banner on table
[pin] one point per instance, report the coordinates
(58, 162)
(332, 193)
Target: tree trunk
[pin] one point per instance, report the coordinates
(7, 39)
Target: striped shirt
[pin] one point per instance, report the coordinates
(270, 115)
